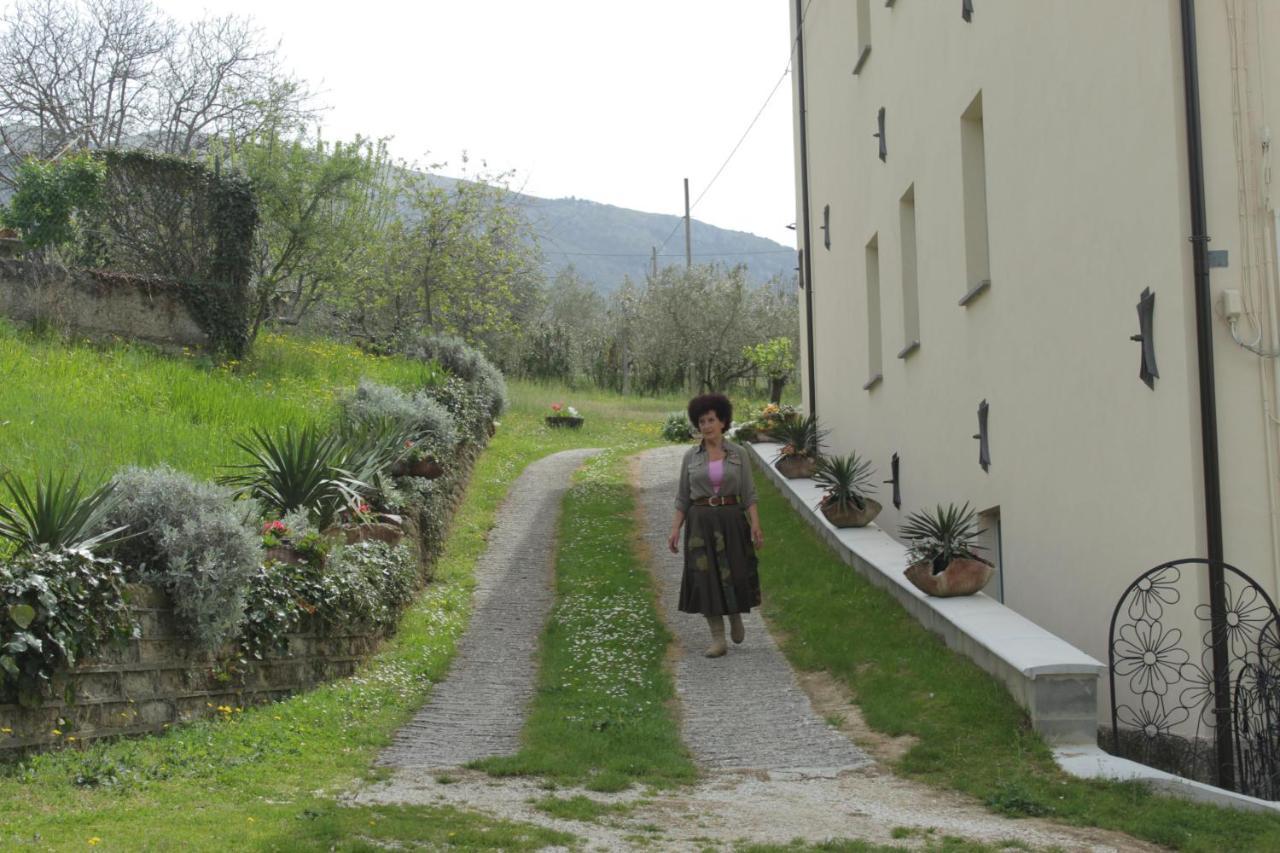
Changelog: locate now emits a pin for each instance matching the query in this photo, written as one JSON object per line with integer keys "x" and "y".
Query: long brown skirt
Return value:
{"x": 721, "y": 573}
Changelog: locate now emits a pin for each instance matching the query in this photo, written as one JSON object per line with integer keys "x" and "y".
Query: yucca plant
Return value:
{"x": 847, "y": 479}
{"x": 369, "y": 445}
{"x": 942, "y": 535}
{"x": 296, "y": 469}
{"x": 57, "y": 515}
{"x": 799, "y": 436}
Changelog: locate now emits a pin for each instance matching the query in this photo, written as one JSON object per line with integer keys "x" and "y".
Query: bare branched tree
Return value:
{"x": 113, "y": 73}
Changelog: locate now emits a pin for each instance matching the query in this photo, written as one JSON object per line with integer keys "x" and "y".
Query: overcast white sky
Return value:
{"x": 613, "y": 102}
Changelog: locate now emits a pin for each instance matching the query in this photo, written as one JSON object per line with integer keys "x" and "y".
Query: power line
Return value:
{"x": 745, "y": 133}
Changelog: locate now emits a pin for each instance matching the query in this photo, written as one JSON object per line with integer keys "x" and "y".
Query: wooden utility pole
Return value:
{"x": 653, "y": 264}
{"x": 688, "y": 241}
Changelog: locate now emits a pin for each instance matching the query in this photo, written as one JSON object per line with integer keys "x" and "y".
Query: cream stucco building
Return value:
{"x": 1034, "y": 180}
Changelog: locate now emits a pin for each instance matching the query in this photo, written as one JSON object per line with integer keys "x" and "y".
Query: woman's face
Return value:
{"x": 710, "y": 425}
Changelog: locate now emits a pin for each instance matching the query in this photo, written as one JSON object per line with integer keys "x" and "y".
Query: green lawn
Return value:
{"x": 83, "y": 408}
{"x": 268, "y": 778}
{"x": 972, "y": 736}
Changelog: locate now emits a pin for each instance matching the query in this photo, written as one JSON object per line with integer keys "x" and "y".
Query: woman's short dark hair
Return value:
{"x": 717, "y": 403}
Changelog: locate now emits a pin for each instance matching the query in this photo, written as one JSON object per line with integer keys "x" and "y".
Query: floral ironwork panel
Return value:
{"x": 1163, "y": 687}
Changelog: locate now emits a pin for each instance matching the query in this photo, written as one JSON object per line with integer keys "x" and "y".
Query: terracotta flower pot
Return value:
{"x": 564, "y": 421}
{"x": 852, "y": 516}
{"x": 376, "y": 532}
{"x": 428, "y": 468}
{"x": 283, "y": 554}
{"x": 796, "y": 467}
{"x": 960, "y": 577}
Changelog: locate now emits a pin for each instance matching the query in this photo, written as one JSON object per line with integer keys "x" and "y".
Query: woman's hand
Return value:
{"x": 757, "y": 536}
{"x": 673, "y": 541}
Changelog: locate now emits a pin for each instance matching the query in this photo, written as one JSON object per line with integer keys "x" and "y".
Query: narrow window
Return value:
{"x": 990, "y": 543}
{"x": 874, "y": 368}
{"x": 973, "y": 163}
{"x": 864, "y": 34}
{"x": 910, "y": 286}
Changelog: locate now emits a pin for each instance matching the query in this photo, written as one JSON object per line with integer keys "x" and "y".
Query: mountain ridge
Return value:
{"x": 605, "y": 242}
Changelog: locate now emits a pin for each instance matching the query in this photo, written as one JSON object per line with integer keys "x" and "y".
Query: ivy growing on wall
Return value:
{"x": 186, "y": 221}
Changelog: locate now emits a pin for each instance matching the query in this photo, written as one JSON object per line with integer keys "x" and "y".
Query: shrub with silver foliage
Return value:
{"x": 419, "y": 410}
{"x": 467, "y": 363}
{"x": 192, "y": 539}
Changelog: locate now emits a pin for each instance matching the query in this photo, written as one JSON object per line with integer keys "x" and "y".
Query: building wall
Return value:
{"x": 1096, "y": 477}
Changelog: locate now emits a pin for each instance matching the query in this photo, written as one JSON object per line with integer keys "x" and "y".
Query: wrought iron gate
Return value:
{"x": 1196, "y": 692}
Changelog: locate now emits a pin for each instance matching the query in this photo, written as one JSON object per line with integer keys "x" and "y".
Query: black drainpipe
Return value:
{"x": 807, "y": 272}
{"x": 1208, "y": 403}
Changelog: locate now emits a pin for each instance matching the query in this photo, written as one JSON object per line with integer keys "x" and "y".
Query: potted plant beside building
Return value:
{"x": 801, "y": 441}
{"x": 848, "y": 482}
{"x": 943, "y": 554}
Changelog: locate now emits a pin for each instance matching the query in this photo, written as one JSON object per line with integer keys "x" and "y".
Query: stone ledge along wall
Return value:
{"x": 98, "y": 304}
{"x": 159, "y": 680}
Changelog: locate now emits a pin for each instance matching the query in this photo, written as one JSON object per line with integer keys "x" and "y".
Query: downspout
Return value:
{"x": 806, "y": 272}
{"x": 1208, "y": 402}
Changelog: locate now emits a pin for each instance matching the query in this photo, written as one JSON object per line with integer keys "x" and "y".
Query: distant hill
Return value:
{"x": 604, "y": 242}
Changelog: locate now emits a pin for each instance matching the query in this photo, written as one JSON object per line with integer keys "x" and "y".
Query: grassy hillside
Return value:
{"x": 92, "y": 409}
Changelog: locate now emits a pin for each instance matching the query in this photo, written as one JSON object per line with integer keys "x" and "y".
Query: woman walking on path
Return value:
{"x": 717, "y": 499}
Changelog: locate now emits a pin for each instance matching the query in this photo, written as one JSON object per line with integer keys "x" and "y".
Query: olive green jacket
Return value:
{"x": 695, "y": 477}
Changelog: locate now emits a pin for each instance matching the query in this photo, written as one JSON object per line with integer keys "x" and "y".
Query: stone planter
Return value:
{"x": 796, "y": 467}
{"x": 960, "y": 577}
{"x": 563, "y": 422}
{"x": 852, "y": 516}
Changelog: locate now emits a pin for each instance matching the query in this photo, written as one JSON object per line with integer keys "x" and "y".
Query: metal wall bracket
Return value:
{"x": 1147, "y": 370}
{"x": 984, "y": 449}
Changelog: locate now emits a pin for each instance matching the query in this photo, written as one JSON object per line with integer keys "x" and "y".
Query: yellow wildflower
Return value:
{"x": 95, "y": 841}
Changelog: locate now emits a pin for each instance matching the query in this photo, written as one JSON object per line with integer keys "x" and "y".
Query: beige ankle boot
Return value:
{"x": 736, "y": 632}
{"x": 717, "y": 648}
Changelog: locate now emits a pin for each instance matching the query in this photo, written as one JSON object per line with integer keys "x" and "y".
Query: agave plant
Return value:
{"x": 297, "y": 469}
{"x": 58, "y": 515}
{"x": 799, "y": 436}
{"x": 847, "y": 480}
{"x": 942, "y": 535}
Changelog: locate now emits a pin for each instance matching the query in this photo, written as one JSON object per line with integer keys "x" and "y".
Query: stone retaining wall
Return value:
{"x": 98, "y": 304}
{"x": 159, "y": 680}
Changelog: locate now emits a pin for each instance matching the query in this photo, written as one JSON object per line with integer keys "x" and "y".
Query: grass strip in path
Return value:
{"x": 601, "y": 716}
{"x": 971, "y": 735}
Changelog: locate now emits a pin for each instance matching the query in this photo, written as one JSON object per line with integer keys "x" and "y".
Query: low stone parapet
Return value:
{"x": 99, "y": 304}
{"x": 1056, "y": 683}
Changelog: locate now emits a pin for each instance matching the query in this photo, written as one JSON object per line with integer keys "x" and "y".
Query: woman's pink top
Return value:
{"x": 715, "y": 470}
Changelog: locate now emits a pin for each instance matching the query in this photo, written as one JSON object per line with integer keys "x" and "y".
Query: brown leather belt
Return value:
{"x": 716, "y": 500}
